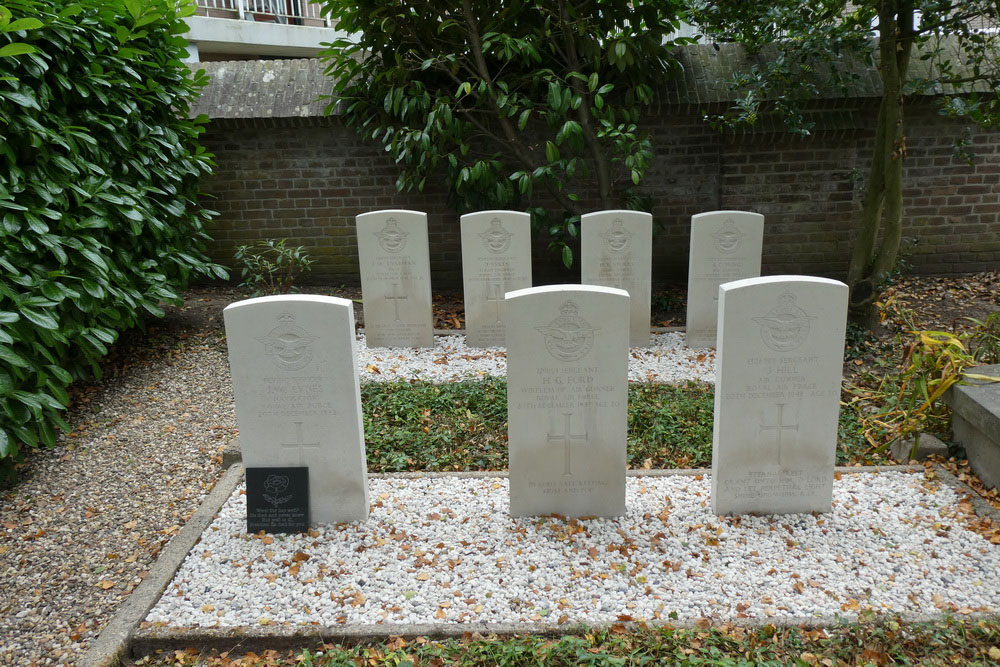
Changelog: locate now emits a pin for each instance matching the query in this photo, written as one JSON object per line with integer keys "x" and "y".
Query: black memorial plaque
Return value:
{"x": 277, "y": 499}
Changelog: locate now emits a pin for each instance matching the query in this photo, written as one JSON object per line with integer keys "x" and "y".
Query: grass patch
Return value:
{"x": 422, "y": 426}
{"x": 885, "y": 641}
{"x": 670, "y": 426}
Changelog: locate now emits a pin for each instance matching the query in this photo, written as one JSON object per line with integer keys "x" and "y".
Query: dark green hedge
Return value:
{"x": 99, "y": 174}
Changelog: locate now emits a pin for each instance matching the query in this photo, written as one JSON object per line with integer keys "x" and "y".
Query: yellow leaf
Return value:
{"x": 105, "y": 584}
{"x": 994, "y": 653}
{"x": 423, "y": 576}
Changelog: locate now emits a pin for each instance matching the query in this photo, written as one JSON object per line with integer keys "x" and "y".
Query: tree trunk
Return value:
{"x": 880, "y": 231}
{"x": 597, "y": 153}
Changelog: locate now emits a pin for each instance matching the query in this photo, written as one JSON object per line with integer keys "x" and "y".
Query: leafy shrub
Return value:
{"x": 271, "y": 267}
{"x": 99, "y": 173}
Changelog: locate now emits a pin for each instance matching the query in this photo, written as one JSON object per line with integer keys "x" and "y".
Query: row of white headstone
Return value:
{"x": 780, "y": 348}
{"x": 616, "y": 251}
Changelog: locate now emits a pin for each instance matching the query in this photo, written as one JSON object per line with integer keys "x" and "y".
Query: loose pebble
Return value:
{"x": 444, "y": 551}
{"x": 667, "y": 360}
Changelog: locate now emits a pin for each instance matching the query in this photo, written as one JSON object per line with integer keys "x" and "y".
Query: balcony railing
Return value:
{"x": 291, "y": 12}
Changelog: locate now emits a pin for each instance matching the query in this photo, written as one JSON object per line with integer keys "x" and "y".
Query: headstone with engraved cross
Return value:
{"x": 616, "y": 249}
{"x": 395, "y": 263}
{"x": 567, "y": 392}
{"x": 725, "y": 246}
{"x": 496, "y": 259}
{"x": 295, "y": 377}
{"x": 777, "y": 394}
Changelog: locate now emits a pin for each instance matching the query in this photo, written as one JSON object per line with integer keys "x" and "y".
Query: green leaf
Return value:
{"x": 47, "y": 433}
{"x": 23, "y": 24}
{"x": 105, "y": 335}
{"x": 93, "y": 289}
{"x": 54, "y": 291}
{"x": 7, "y": 448}
{"x": 551, "y": 152}
{"x": 26, "y": 435}
{"x": 24, "y": 100}
{"x": 28, "y": 399}
{"x": 7, "y": 317}
{"x": 522, "y": 120}
{"x": 13, "y": 358}
{"x": 16, "y": 49}
{"x": 43, "y": 320}
{"x": 555, "y": 96}
{"x": 71, "y": 10}
{"x": 567, "y": 256}
{"x": 153, "y": 309}
{"x": 94, "y": 258}
{"x": 62, "y": 374}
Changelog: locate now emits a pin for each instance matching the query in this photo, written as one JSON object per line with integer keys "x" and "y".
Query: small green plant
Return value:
{"x": 984, "y": 341}
{"x": 272, "y": 267}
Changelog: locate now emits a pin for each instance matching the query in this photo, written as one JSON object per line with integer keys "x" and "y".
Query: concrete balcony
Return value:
{"x": 248, "y": 29}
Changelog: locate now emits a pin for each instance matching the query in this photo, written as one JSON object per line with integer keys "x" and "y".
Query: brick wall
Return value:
{"x": 305, "y": 180}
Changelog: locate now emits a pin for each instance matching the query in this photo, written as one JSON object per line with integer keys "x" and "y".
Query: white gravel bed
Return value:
{"x": 445, "y": 551}
{"x": 667, "y": 360}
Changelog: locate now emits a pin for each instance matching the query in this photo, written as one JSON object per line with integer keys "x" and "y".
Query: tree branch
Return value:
{"x": 583, "y": 111}
{"x": 518, "y": 149}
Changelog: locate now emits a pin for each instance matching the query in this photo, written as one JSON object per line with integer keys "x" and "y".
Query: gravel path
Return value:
{"x": 88, "y": 518}
{"x": 444, "y": 550}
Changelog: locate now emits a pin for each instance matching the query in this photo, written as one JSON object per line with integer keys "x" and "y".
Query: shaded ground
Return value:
{"x": 203, "y": 307}
{"x": 939, "y": 303}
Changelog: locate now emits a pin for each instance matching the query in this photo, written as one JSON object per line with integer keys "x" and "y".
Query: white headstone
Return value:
{"x": 496, "y": 259}
{"x": 725, "y": 246}
{"x": 395, "y": 278}
{"x": 295, "y": 377}
{"x": 777, "y": 394}
{"x": 617, "y": 251}
{"x": 567, "y": 393}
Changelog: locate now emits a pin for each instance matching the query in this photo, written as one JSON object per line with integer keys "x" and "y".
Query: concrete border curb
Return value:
{"x": 982, "y": 506}
{"x": 113, "y": 643}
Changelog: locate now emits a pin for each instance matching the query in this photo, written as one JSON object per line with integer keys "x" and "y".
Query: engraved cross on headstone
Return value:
{"x": 395, "y": 297}
{"x": 567, "y": 437}
{"x": 495, "y": 295}
{"x": 780, "y": 427}
{"x": 300, "y": 445}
